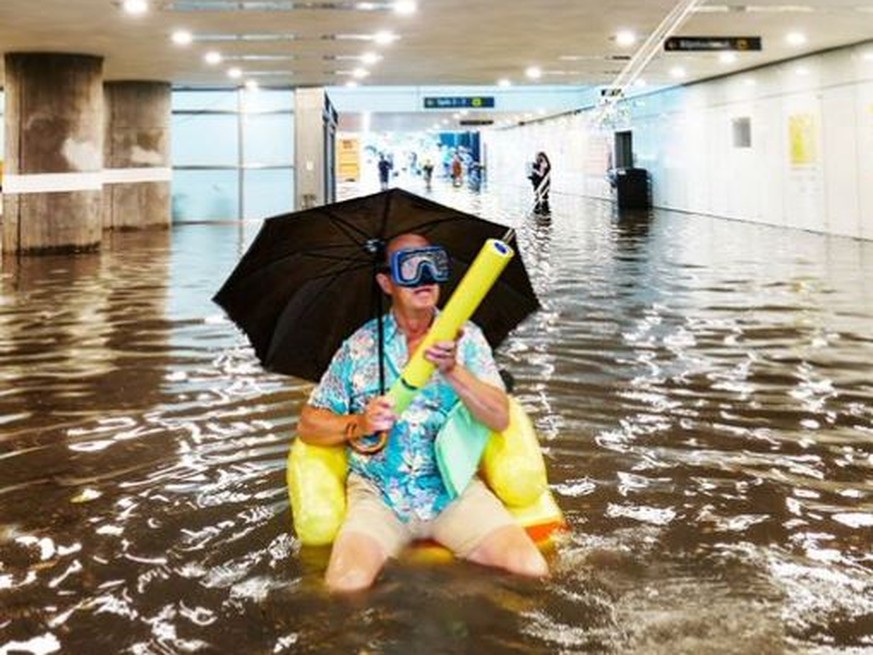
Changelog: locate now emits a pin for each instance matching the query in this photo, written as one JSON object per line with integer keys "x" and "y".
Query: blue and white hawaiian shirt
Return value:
{"x": 406, "y": 470}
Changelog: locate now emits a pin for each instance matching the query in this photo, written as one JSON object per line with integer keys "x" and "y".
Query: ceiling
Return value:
{"x": 443, "y": 42}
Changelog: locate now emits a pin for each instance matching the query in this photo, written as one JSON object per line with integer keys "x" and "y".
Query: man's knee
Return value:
{"x": 347, "y": 581}
{"x": 511, "y": 549}
{"x": 355, "y": 562}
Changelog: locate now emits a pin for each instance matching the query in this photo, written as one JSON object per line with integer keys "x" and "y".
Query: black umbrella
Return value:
{"x": 307, "y": 281}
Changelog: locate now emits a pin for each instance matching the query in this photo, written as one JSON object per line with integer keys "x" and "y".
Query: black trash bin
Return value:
{"x": 632, "y": 188}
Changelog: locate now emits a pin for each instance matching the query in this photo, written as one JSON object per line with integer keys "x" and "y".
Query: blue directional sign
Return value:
{"x": 459, "y": 102}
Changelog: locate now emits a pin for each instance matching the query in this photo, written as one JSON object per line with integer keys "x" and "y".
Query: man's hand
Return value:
{"x": 378, "y": 416}
{"x": 443, "y": 355}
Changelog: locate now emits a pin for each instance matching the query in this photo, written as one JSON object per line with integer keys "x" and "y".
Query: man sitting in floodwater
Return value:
{"x": 397, "y": 495}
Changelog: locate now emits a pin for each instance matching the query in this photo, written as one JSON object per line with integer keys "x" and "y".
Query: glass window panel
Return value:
{"x": 205, "y": 140}
{"x": 268, "y": 192}
{"x": 268, "y": 139}
{"x": 205, "y": 195}
{"x": 268, "y": 100}
{"x": 215, "y": 100}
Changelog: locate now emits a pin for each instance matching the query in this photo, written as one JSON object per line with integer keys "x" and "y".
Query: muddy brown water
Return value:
{"x": 702, "y": 389}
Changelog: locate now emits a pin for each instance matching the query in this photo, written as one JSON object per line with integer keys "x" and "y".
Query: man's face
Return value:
{"x": 416, "y": 298}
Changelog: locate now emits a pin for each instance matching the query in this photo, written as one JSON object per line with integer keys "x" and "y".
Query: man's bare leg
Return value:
{"x": 355, "y": 561}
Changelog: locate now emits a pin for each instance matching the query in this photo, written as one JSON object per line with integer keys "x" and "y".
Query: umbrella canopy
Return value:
{"x": 306, "y": 283}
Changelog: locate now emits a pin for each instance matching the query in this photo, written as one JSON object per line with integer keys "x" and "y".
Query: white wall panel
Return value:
{"x": 864, "y": 113}
{"x": 769, "y": 139}
{"x": 839, "y": 142}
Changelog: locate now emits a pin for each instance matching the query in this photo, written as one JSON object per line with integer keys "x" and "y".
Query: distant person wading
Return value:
{"x": 541, "y": 179}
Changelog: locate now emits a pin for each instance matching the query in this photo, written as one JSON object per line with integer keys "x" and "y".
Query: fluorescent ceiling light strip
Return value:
{"x": 268, "y": 73}
{"x": 245, "y": 37}
{"x": 272, "y": 5}
{"x": 260, "y": 57}
{"x": 780, "y": 9}
{"x": 756, "y": 9}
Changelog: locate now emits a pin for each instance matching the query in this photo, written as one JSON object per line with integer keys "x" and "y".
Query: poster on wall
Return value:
{"x": 348, "y": 158}
{"x": 803, "y": 139}
{"x": 805, "y": 190}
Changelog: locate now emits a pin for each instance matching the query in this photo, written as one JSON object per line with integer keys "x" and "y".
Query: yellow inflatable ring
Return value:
{"x": 512, "y": 466}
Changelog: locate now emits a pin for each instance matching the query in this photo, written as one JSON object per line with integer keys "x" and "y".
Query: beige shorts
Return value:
{"x": 460, "y": 527}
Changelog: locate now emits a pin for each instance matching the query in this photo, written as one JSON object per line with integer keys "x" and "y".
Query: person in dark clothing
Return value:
{"x": 384, "y": 171}
{"x": 541, "y": 178}
{"x": 428, "y": 173}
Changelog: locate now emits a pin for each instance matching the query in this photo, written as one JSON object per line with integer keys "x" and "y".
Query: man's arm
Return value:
{"x": 487, "y": 403}
{"x": 322, "y": 427}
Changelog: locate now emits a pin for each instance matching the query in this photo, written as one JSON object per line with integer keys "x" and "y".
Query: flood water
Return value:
{"x": 702, "y": 389}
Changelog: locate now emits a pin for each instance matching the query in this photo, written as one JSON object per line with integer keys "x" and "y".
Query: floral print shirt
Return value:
{"x": 405, "y": 471}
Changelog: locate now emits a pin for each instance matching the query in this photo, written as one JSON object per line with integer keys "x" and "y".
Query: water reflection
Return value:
{"x": 702, "y": 389}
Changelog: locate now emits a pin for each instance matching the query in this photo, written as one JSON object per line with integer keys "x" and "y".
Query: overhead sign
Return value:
{"x": 712, "y": 43}
{"x": 476, "y": 121}
{"x": 459, "y": 102}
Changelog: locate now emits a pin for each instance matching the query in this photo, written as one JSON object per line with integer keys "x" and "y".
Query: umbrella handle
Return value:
{"x": 372, "y": 449}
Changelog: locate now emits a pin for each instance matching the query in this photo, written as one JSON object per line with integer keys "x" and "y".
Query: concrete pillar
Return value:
{"x": 315, "y": 133}
{"x": 136, "y": 155}
{"x": 54, "y": 152}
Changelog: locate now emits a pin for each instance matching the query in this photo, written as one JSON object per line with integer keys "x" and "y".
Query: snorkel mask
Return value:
{"x": 414, "y": 267}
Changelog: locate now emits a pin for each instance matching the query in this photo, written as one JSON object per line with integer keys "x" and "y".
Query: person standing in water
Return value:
{"x": 541, "y": 178}
{"x": 384, "y": 171}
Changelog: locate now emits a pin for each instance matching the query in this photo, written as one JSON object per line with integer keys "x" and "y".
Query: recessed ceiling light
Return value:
{"x": 504, "y": 82}
{"x": 212, "y": 57}
{"x": 678, "y": 72}
{"x": 365, "y": 6}
{"x": 370, "y": 57}
{"x": 625, "y": 38}
{"x": 796, "y": 38}
{"x": 728, "y": 57}
{"x": 867, "y": 56}
{"x": 135, "y": 6}
{"x": 182, "y": 37}
{"x": 801, "y": 71}
{"x": 252, "y": 85}
{"x": 234, "y": 72}
{"x": 351, "y": 84}
{"x": 534, "y": 72}
{"x": 405, "y": 7}
{"x": 360, "y": 73}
